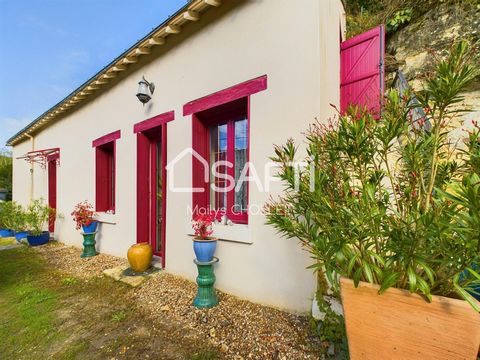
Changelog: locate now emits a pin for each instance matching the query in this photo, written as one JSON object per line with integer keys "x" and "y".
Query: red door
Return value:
{"x": 362, "y": 70}
{"x": 52, "y": 188}
{"x": 151, "y": 189}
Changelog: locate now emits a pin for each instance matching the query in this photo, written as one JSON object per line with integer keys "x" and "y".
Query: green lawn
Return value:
{"x": 7, "y": 241}
{"x": 47, "y": 314}
{"x": 26, "y": 308}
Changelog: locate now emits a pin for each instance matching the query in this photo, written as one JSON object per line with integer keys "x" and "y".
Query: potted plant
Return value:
{"x": 5, "y": 214}
{"x": 204, "y": 245}
{"x": 37, "y": 217}
{"x": 17, "y": 221}
{"x": 84, "y": 217}
{"x": 394, "y": 203}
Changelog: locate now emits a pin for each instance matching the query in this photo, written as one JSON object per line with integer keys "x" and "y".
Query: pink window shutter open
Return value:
{"x": 362, "y": 70}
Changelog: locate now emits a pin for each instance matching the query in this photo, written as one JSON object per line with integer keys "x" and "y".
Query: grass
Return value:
{"x": 119, "y": 316}
{"x": 45, "y": 313}
{"x": 71, "y": 352}
{"x": 27, "y": 321}
{"x": 205, "y": 355}
{"x": 69, "y": 280}
{"x": 7, "y": 241}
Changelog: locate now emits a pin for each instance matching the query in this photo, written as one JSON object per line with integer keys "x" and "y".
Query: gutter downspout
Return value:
{"x": 32, "y": 141}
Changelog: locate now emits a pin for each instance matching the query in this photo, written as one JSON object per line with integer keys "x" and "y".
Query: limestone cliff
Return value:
{"x": 412, "y": 48}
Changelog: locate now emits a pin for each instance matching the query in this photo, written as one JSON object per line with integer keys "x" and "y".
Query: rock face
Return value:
{"x": 435, "y": 30}
{"x": 410, "y": 49}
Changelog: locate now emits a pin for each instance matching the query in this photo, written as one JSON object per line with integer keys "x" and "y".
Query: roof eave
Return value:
{"x": 157, "y": 37}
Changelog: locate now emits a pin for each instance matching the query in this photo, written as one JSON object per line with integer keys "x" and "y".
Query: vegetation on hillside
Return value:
{"x": 395, "y": 14}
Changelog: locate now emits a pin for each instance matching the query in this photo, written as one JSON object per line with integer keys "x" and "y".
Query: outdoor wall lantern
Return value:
{"x": 145, "y": 90}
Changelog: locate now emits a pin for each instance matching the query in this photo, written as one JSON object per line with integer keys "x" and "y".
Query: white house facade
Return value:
{"x": 231, "y": 77}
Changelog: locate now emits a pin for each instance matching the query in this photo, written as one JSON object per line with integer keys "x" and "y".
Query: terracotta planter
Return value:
{"x": 140, "y": 257}
{"x": 400, "y": 325}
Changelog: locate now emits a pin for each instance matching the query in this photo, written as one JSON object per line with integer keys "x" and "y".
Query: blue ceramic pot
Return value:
{"x": 35, "y": 240}
{"x": 90, "y": 228}
{"x": 6, "y": 233}
{"x": 204, "y": 249}
{"x": 19, "y": 235}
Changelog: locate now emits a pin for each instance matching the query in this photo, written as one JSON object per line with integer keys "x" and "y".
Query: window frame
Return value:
{"x": 201, "y": 138}
{"x": 105, "y": 172}
{"x": 235, "y": 217}
{"x": 202, "y": 123}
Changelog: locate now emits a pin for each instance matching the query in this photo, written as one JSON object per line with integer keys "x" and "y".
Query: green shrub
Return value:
{"x": 391, "y": 201}
{"x": 3, "y": 214}
{"x": 12, "y": 215}
{"x": 398, "y": 20}
{"x": 16, "y": 217}
{"x": 37, "y": 216}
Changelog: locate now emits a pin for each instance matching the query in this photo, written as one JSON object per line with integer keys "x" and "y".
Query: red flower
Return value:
{"x": 83, "y": 214}
{"x": 202, "y": 225}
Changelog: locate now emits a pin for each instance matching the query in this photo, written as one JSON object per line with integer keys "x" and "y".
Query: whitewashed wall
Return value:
{"x": 296, "y": 44}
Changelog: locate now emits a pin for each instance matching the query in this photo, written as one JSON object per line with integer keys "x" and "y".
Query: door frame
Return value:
{"x": 52, "y": 162}
{"x": 149, "y": 132}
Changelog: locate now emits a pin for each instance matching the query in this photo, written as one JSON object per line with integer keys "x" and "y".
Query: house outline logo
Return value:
{"x": 171, "y": 173}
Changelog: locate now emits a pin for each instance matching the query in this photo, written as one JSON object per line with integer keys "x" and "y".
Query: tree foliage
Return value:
{"x": 6, "y": 171}
{"x": 363, "y": 15}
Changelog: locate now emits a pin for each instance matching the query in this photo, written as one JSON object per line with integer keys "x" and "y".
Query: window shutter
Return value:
{"x": 362, "y": 70}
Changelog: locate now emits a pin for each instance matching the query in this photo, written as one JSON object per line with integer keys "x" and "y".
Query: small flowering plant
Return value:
{"x": 202, "y": 225}
{"x": 83, "y": 214}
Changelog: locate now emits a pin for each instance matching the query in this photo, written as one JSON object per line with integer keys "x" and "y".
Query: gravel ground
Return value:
{"x": 67, "y": 259}
{"x": 239, "y": 329}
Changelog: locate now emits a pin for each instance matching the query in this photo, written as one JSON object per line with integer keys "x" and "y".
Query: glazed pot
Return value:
{"x": 6, "y": 233}
{"x": 400, "y": 325}
{"x": 19, "y": 235}
{"x": 36, "y": 240}
{"x": 140, "y": 257}
{"x": 90, "y": 228}
{"x": 204, "y": 248}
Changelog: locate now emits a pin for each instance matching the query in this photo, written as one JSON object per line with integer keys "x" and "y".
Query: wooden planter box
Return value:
{"x": 401, "y": 325}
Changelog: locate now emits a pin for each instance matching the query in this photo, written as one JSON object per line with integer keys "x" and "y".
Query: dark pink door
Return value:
{"x": 362, "y": 70}
{"x": 151, "y": 190}
{"x": 52, "y": 189}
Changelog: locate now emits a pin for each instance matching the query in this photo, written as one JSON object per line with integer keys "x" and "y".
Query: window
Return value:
{"x": 220, "y": 141}
{"x": 223, "y": 131}
{"x": 228, "y": 154}
{"x": 105, "y": 172}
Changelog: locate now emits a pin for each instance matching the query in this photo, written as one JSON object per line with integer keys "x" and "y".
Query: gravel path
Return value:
{"x": 67, "y": 259}
{"x": 240, "y": 329}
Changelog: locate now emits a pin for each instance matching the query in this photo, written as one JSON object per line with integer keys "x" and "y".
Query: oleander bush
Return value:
{"x": 393, "y": 201}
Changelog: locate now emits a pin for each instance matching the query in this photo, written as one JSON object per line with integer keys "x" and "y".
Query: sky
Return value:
{"x": 50, "y": 47}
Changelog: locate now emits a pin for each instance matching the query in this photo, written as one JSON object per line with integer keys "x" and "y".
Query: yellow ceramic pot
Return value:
{"x": 140, "y": 256}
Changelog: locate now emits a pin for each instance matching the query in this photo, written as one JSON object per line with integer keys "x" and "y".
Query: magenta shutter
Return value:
{"x": 362, "y": 70}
